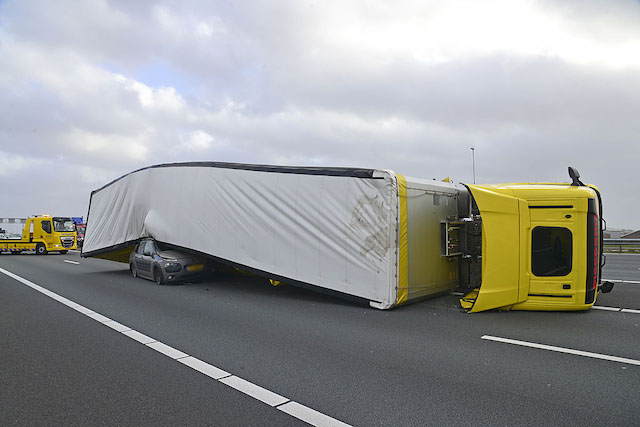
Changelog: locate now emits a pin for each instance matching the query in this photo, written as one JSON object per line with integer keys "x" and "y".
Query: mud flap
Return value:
{"x": 469, "y": 299}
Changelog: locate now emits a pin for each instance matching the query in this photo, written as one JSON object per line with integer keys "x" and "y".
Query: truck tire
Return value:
{"x": 63, "y": 252}
{"x": 41, "y": 249}
{"x": 157, "y": 276}
{"x": 132, "y": 269}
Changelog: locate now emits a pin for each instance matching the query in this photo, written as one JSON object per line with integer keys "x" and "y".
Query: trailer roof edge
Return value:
{"x": 362, "y": 173}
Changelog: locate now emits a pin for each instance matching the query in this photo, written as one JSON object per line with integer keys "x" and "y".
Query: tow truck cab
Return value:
{"x": 541, "y": 247}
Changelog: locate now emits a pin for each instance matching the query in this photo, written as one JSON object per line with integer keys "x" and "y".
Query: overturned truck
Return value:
{"x": 368, "y": 233}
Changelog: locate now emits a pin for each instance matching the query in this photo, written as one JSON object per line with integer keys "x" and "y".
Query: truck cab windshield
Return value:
{"x": 63, "y": 224}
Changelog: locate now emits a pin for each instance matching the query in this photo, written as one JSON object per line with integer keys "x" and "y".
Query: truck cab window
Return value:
{"x": 63, "y": 224}
{"x": 46, "y": 226}
{"x": 552, "y": 251}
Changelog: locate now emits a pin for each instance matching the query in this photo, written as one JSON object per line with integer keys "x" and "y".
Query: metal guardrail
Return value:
{"x": 623, "y": 245}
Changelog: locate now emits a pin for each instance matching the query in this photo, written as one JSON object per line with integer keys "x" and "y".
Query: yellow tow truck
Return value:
{"x": 42, "y": 234}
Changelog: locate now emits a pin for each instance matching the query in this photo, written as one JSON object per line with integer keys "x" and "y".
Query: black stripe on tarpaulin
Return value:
{"x": 300, "y": 170}
{"x": 109, "y": 249}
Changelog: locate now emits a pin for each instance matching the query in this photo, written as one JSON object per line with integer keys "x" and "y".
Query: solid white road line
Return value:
{"x": 83, "y": 310}
{"x": 205, "y": 368}
{"x": 141, "y": 338}
{"x": 630, "y": 310}
{"x": 117, "y": 326}
{"x": 71, "y": 262}
{"x": 563, "y": 350}
{"x": 284, "y": 404}
{"x": 167, "y": 350}
{"x": 99, "y": 317}
{"x": 602, "y": 307}
{"x": 308, "y": 415}
{"x": 255, "y": 391}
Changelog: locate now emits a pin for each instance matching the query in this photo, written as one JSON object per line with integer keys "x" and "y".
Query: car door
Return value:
{"x": 46, "y": 235}
{"x": 137, "y": 258}
{"x": 146, "y": 258}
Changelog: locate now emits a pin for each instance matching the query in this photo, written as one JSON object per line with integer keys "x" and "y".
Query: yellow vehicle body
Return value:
{"x": 43, "y": 234}
{"x": 541, "y": 247}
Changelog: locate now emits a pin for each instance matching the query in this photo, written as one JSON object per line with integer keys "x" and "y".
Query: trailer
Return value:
{"x": 369, "y": 233}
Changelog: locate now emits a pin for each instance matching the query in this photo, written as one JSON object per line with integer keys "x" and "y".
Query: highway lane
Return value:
{"x": 421, "y": 364}
{"x": 622, "y": 267}
{"x": 59, "y": 368}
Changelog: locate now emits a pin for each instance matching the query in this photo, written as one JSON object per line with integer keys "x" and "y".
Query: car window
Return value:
{"x": 46, "y": 226}
{"x": 150, "y": 248}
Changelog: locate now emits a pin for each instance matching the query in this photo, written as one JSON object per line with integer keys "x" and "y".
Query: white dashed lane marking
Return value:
{"x": 281, "y": 403}
{"x": 71, "y": 262}
{"x": 602, "y": 307}
{"x": 621, "y": 281}
{"x": 563, "y": 350}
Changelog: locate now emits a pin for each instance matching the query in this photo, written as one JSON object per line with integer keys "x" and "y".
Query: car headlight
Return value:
{"x": 172, "y": 267}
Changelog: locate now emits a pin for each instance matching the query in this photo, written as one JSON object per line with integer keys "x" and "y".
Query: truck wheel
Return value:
{"x": 132, "y": 269}
{"x": 63, "y": 252}
{"x": 157, "y": 275}
{"x": 41, "y": 249}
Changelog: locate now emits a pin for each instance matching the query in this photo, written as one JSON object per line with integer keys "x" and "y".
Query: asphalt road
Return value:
{"x": 423, "y": 364}
{"x": 624, "y": 271}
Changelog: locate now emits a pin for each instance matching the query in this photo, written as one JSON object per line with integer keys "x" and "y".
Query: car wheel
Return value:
{"x": 63, "y": 252}
{"x": 133, "y": 270}
{"x": 157, "y": 275}
{"x": 41, "y": 249}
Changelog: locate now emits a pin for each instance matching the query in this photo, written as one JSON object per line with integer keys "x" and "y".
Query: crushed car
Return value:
{"x": 166, "y": 265}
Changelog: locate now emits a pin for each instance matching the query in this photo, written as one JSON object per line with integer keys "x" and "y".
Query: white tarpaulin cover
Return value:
{"x": 333, "y": 228}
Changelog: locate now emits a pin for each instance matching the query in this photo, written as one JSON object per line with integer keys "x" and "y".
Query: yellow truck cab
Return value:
{"x": 42, "y": 234}
{"x": 541, "y": 246}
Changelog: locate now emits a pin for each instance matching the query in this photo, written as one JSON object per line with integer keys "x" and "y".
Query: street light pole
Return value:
{"x": 473, "y": 156}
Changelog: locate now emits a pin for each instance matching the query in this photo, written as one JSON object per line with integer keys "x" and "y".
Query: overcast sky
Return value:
{"x": 93, "y": 89}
